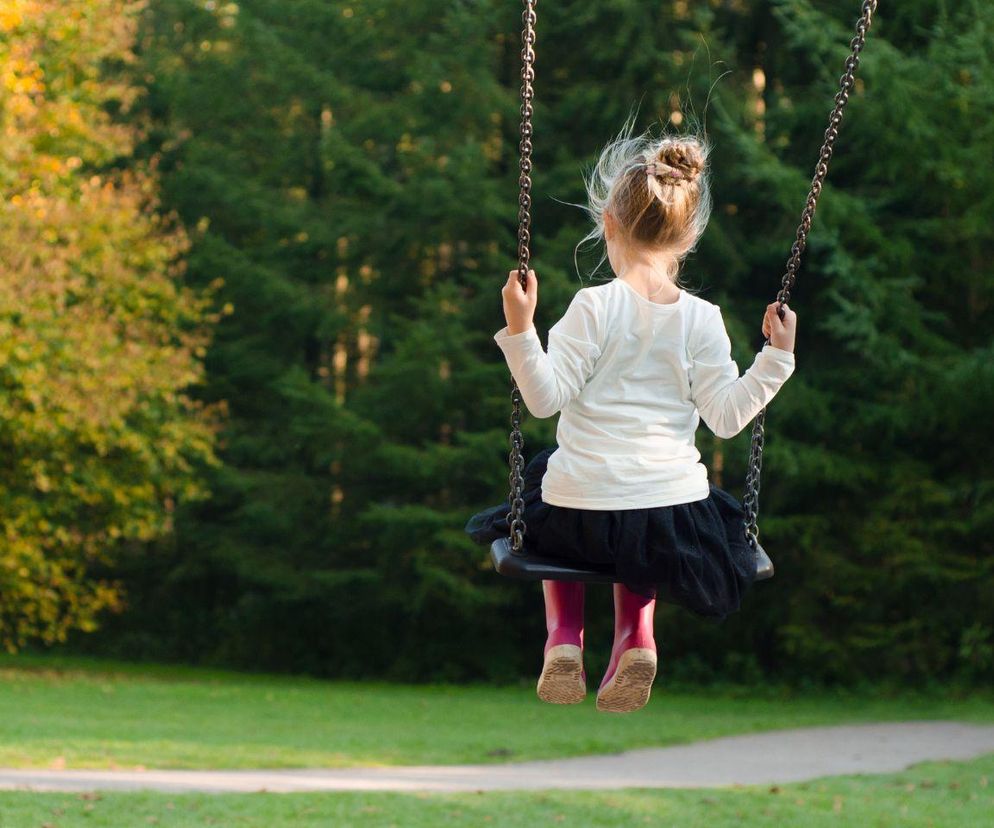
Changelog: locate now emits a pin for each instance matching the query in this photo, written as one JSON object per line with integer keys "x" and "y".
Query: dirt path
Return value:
{"x": 763, "y": 758}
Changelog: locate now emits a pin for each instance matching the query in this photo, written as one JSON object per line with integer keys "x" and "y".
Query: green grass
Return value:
{"x": 931, "y": 795}
{"x": 78, "y": 713}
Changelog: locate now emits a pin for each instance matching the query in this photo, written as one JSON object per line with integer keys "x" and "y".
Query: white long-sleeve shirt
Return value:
{"x": 633, "y": 379}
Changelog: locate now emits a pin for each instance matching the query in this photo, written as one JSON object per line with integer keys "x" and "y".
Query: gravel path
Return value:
{"x": 756, "y": 759}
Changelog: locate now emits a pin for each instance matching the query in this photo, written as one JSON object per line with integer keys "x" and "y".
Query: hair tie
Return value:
{"x": 657, "y": 168}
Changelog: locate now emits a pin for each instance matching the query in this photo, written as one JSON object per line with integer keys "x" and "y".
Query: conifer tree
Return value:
{"x": 349, "y": 169}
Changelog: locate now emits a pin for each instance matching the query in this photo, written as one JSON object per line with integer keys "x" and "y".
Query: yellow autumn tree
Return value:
{"x": 98, "y": 339}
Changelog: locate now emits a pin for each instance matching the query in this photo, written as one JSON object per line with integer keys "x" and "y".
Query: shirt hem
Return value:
{"x": 779, "y": 353}
{"x": 611, "y": 503}
{"x": 504, "y": 335}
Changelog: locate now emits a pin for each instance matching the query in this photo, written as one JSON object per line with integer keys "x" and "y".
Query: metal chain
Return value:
{"x": 750, "y": 501}
{"x": 515, "y": 517}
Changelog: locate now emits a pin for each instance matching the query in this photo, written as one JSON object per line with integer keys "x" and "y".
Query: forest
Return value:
{"x": 250, "y": 266}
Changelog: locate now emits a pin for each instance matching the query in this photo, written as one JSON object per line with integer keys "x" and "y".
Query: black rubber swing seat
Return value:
{"x": 535, "y": 568}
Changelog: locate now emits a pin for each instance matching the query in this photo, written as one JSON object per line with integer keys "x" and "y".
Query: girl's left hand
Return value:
{"x": 519, "y": 305}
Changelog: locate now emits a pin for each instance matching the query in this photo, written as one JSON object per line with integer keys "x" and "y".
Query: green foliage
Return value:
{"x": 98, "y": 340}
{"x": 350, "y": 172}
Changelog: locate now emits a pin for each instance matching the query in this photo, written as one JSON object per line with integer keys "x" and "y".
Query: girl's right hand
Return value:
{"x": 780, "y": 332}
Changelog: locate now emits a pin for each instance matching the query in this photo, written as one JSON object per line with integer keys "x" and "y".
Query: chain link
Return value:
{"x": 515, "y": 517}
{"x": 750, "y": 501}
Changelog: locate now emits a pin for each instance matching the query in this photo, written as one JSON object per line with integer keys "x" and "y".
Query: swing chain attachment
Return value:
{"x": 515, "y": 517}
{"x": 750, "y": 501}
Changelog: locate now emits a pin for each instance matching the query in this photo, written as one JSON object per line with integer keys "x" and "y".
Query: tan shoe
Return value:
{"x": 563, "y": 680}
{"x": 628, "y": 688}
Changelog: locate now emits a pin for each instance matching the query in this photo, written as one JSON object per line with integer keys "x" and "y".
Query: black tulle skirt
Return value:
{"x": 691, "y": 554}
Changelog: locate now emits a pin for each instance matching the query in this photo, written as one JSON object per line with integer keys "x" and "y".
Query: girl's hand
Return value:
{"x": 780, "y": 332}
{"x": 519, "y": 305}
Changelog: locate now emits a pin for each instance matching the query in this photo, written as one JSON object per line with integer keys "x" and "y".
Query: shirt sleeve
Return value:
{"x": 548, "y": 381}
{"x": 726, "y": 401}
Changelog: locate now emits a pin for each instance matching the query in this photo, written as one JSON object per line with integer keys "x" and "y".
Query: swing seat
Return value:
{"x": 535, "y": 568}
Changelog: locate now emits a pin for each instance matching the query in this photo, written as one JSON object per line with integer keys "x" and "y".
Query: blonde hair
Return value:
{"x": 656, "y": 189}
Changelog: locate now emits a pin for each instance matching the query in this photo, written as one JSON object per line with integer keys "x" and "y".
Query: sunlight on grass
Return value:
{"x": 94, "y": 714}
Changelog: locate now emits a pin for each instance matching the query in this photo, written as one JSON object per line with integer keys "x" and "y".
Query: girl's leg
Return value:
{"x": 632, "y": 668}
{"x": 563, "y": 612}
{"x": 563, "y": 680}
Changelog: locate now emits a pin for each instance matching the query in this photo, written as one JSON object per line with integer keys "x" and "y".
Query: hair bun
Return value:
{"x": 680, "y": 159}
{"x": 656, "y": 191}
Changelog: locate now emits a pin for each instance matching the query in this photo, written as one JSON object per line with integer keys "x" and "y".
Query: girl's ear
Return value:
{"x": 608, "y": 226}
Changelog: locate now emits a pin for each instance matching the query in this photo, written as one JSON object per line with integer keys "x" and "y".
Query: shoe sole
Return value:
{"x": 629, "y": 687}
{"x": 562, "y": 681}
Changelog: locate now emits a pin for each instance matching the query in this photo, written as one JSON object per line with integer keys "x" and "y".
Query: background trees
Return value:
{"x": 97, "y": 340}
{"x": 347, "y": 168}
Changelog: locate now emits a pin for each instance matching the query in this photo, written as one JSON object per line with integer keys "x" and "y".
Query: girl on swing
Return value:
{"x": 633, "y": 366}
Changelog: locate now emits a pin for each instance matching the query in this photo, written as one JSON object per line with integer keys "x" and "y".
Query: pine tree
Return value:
{"x": 349, "y": 169}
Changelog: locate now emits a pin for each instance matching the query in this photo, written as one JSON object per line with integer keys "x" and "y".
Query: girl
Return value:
{"x": 633, "y": 366}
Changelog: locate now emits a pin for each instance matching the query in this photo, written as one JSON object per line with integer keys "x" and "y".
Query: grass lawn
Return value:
{"x": 77, "y": 713}
{"x": 931, "y": 795}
